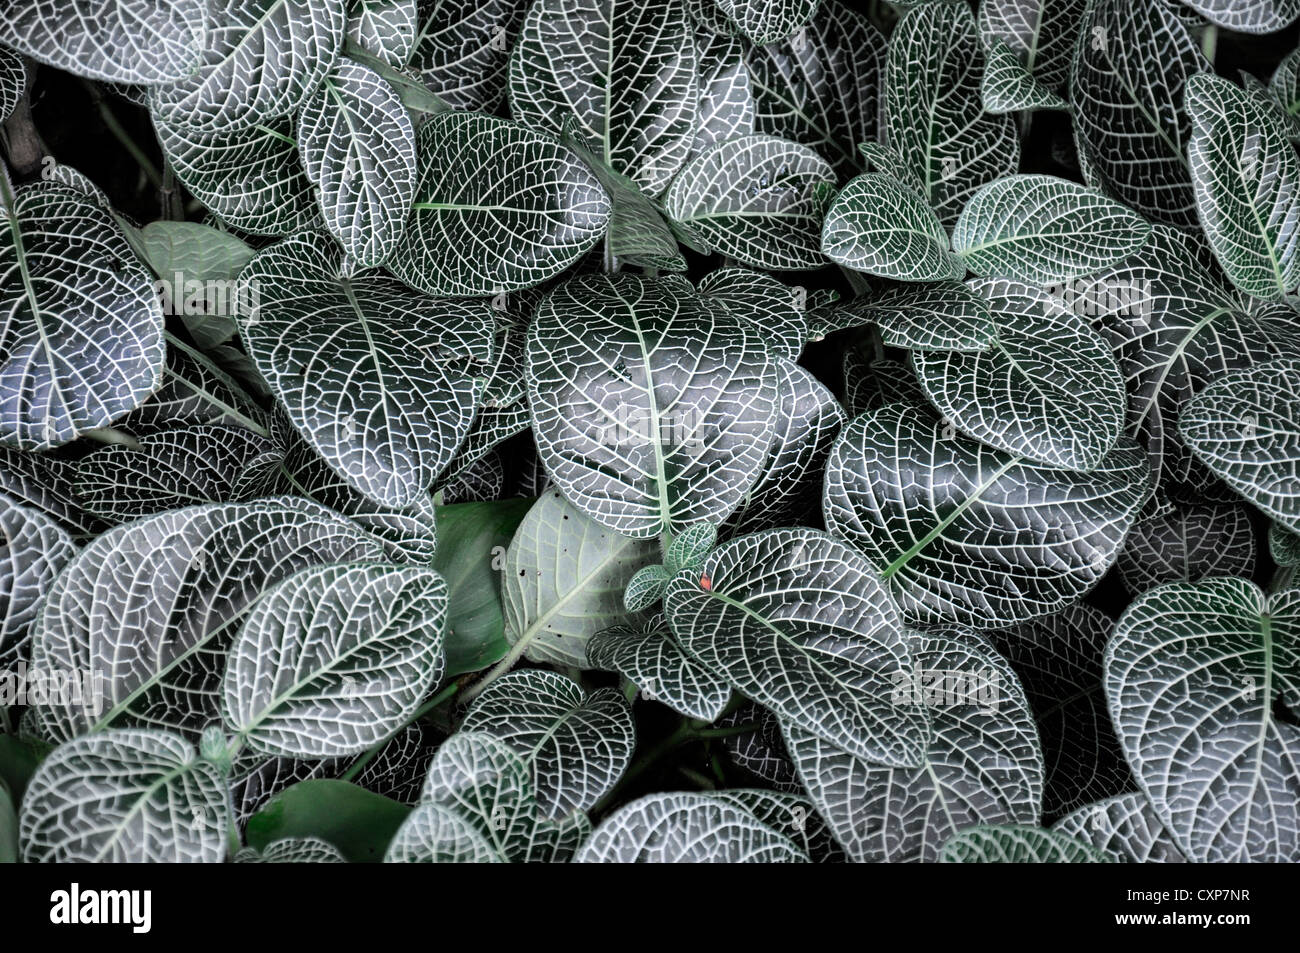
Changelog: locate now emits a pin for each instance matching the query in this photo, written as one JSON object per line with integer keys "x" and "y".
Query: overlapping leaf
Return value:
{"x": 1188, "y": 543}
{"x": 1124, "y": 828}
{"x": 879, "y": 226}
{"x": 1018, "y": 844}
{"x": 932, "y": 316}
{"x": 462, "y": 50}
{"x": 656, "y": 664}
{"x": 33, "y": 549}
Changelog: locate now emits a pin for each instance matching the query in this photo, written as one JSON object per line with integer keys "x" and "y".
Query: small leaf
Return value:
{"x": 1125, "y": 828}
{"x": 689, "y": 547}
{"x": 1017, "y": 844}
{"x": 651, "y": 658}
{"x": 645, "y": 588}
{"x": 1007, "y": 87}
{"x": 934, "y": 316}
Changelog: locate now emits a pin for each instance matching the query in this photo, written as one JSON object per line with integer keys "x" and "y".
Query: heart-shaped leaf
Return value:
{"x": 498, "y": 207}
{"x": 825, "y": 661}
{"x": 577, "y": 744}
{"x": 1246, "y": 428}
{"x": 956, "y": 530}
{"x": 1221, "y": 774}
{"x": 1007, "y": 86}
{"x": 83, "y": 341}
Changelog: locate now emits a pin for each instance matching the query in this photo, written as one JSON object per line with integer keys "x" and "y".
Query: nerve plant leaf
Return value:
{"x": 33, "y": 549}
{"x": 387, "y": 28}
{"x": 1221, "y": 774}
{"x": 766, "y": 21}
{"x": 249, "y": 178}
{"x": 379, "y": 379}
{"x": 1059, "y": 660}
{"x": 726, "y": 91}
{"x": 462, "y": 49}
{"x": 931, "y": 316}
{"x": 82, "y": 340}
{"x": 200, "y": 464}
{"x": 261, "y": 59}
{"x": 773, "y": 309}
{"x": 821, "y": 86}
{"x": 757, "y": 199}
{"x": 652, "y": 406}
{"x": 881, "y": 227}
{"x": 134, "y": 41}
{"x": 1124, "y": 828}
{"x": 626, "y": 70}
{"x": 1018, "y": 844}
{"x": 1246, "y": 428}
{"x": 982, "y": 765}
{"x": 335, "y": 658}
{"x": 652, "y": 659}
{"x": 966, "y": 534}
{"x": 487, "y": 790}
{"x": 576, "y": 744}
{"x": 125, "y": 796}
{"x": 1043, "y": 230}
{"x": 1247, "y": 181}
{"x": 153, "y": 604}
{"x": 933, "y": 115}
{"x": 686, "y": 828}
{"x": 498, "y": 207}
{"x": 1175, "y": 327}
{"x": 13, "y": 82}
{"x": 1248, "y": 16}
{"x": 292, "y": 850}
{"x": 824, "y": 660}
{"x": 1040, "y": 33}
{"x": 1007, "y": 86}
{"x": 1188, "y": 543}
{"x": 358, "y": 146}
{"x": 563, "y": 580}
{"x": 1131, "y": 65}
{"x": 1048, "y": 389}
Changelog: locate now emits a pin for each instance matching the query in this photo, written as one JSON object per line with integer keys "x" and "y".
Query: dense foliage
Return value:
{"x": 658, "y": 430}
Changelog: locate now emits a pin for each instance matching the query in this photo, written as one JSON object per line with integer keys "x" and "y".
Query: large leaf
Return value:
{"x": 967, "y": 534}
{"x": 933, "y": 115}
{"x": 200, "y": 464}
{"x": 982, "y": 766}
{"x": 1125, "y": 828}
{"x": 249, "y": 178}
{"x": 1247, "y": 181}
{"x": 726, "y": 91}
{"x": 379, "y": 379}
{"x": 33, "y": 549}
{"x": 130, "y": 41}
{"x": 1018, "y": 844}
{"x": 498, "y": 207}
{"x": 686, "y": 828}
{"x": 821, "y": 87}
{"x": 1246, "y": 428}
{"x": 652, "y": 406}
{"x": 1040, "y": 230}
{"x": 626, "y": 70}
{"x": 482, "y": 780}
{"x": 1041, "y": 33}
{"x": 1248, "y": 16}
{"x": 153, "y": 604}
{"x": 462, "y": 49}
{"x": 335, "y": 658}
{"x": 358, "y": 146}
{"x": 1188, "y": 543}
{"x": 564, "y": 579}
{"x": 45, "y": 483}
{"x": 1221, "y": 772}
{"x": 125, "y": 797}
{"x": 261, "y": 59}
{"x": 1131, "y": 64}
{"x": 472, "y": 541}
{"x": 934, "y": 316}
{"x": 387, "y": 28}
{"x": 81, "y": 343}
{"x": 880, "y": 226}
{"x": 800, "y": 623}
{"x": 1175, "y": 327}
{"x": 651, "y": 658}
{"x": 576, "y": 743}
{"x": 757, "y": 199}
{"x": 1048, "y": 389}
{"x": 357, "y": 822}
{"x": 788, "y": 491}
{"x": 1058, "y": 658}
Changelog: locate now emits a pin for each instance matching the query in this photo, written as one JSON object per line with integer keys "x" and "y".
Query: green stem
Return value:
{"x": 506, "y": 664}
{"x": 360, "y": 764}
